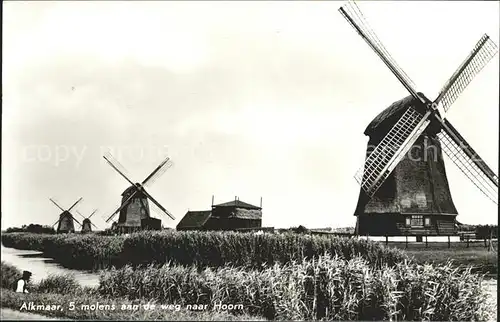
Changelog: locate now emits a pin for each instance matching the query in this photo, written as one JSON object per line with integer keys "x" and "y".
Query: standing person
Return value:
{"x": 22, "y": 283}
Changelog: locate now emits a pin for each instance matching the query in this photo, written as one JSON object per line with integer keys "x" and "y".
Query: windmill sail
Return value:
{"x": 482, "y": 53}
{"x": 393, "y": 147}
{"x": 122, "y": 205}
{"x": 468, "y": 161}
{"x": 158, "y": 205}
{"x": 157, "y": 172}
{"x": 353, "y": 15}
{"x": 401, "y": 137}
{"x": 117, "y": 170}
{"x": 160, "y": 170}
{"x": 55, "y": 203}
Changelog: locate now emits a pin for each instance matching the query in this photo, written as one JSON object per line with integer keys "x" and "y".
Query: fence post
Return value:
{"x": 490, "y": 244}
{"x": 467, "y": 241}
{"x": 425, "y": 241}
{"x": 386, "y": 240}
{"x": 449, "y": 243}
{"x": 406, "y": 236}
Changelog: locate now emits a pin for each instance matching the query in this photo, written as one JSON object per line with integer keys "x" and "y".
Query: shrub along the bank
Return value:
{"x": 326, "y": 288}
{"x": 202, "y": 249}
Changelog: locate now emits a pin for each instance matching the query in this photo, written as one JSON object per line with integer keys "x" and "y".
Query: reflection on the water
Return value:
{"x": 41, "y": 267}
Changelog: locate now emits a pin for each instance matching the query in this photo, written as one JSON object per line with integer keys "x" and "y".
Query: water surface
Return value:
{"x": 41, "y": 267}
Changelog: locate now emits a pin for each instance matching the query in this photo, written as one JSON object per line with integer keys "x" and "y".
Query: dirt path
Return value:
{"x": 10, "y": 314}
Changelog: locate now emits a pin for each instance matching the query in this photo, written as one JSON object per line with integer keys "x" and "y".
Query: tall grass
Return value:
{"x": 327, "y": 288}
{"x": 202, "y": 249}
{"x": 9, "y": 275}
{"x": 62, "y": 284}
{"x": 63, "y": 289}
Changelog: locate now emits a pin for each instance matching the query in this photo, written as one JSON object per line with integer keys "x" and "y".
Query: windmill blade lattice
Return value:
{"x": 392, "y": 149}
{"x": 116, "y": 163}
{"x": 116, "y": 166}
{"x": 472, "y": 167}
{"x": 356, "y": 19}
{"x": 78, "y": 212}
{"x": 160, "y": 171}
{"x": 55, "y": 203}
{"x": 158, "y": 205}
{"x": 72, "y": 217}
{"x": 482, "y": 53}
{"x": 121, "y": 206}
{"x": 69, "y": 209}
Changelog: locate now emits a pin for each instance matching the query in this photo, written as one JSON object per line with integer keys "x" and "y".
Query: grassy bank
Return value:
{"x": 476, "y": 255}
{"x": 202, "y": 249}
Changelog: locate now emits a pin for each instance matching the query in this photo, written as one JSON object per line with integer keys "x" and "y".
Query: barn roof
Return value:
{"x": 237, "y": 203}
{"x": 194, "y": 219}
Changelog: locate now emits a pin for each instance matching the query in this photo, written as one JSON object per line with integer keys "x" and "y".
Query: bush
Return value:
{"x": 328, "y": 288}
{"x": 32, "y": 228}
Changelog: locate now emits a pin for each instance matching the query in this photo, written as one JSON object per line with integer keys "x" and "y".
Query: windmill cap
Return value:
{"x": 26, "y": 274}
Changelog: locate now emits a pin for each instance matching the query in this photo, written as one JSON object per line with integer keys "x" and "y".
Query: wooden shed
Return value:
{"x": 231, "y": 215}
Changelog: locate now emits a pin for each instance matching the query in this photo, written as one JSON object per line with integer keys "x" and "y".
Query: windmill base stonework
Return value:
{"x": 415, "y": 199}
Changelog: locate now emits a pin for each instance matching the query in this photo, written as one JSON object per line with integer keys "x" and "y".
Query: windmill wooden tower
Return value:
{"x": 404, "y": 189}
{"x": 86, "y": 223}
{"x": 134, "y": 209}
{"x": 65, "y": 222}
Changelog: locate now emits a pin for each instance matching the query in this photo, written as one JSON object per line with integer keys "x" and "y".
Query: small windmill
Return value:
{"x": 402, "y": 196}
{"x": 86, "y": 223}
{"x": 65, "y": 222}
{"x": 134, "y": 208}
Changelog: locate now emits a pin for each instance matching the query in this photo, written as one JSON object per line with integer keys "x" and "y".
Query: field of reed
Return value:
{"x": 202, "y": 249}
{"x": 64, "y": 289}
{"x": 326, "y": 288}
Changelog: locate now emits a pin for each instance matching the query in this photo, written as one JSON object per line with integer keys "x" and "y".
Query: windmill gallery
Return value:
{"x": 404, "y": 187}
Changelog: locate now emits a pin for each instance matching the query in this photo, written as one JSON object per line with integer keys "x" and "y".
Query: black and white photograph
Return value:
{"x": 250, "y": 160}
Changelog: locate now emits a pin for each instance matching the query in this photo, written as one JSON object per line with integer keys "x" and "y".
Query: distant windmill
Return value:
{"x": 410, "y": 196}
{"x": 86, "y": 223}
{"x": 134, "y": 208}
{"x": 65, "y": 222}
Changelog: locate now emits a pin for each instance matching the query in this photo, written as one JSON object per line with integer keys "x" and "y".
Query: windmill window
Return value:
{"x": 427, "y": 221}
{"x": 417, "y": 221}
{"x": 408, "y": 221}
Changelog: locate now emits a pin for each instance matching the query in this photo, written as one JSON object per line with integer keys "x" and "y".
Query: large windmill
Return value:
{"x": 134, "y": 209}
{"x": 86, "y": 223}
{"x": 65, "y": 222}
{"x": 404, "y": 190}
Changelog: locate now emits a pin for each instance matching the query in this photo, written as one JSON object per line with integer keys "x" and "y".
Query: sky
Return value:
{"x": 248, "y": 99}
